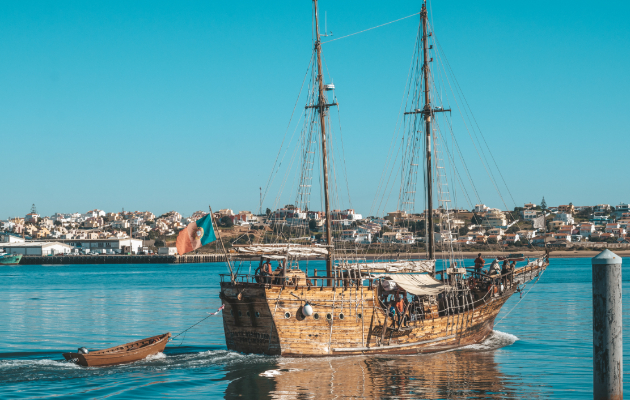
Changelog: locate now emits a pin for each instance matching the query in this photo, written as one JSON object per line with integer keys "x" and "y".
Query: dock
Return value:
{"x": 122, "y": 259}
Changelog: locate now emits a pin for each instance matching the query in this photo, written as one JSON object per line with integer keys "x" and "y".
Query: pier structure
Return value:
{"x": 607, "y": 327}
{"x": 122, "y": 259}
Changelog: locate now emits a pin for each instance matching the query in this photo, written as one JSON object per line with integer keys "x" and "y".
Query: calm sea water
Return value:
{"x": 542, "y": 349}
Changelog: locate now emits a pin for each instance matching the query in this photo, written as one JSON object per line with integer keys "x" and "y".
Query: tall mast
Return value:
{"x": 322, "y": 107}
{"x": 427, "y": 118}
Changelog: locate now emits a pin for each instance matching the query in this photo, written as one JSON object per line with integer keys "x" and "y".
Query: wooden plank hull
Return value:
{"x": 268, "y": 320}
{"x": 123, "y": 354}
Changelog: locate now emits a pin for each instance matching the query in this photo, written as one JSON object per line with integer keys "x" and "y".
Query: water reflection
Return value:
{"x": 466, "y": 374}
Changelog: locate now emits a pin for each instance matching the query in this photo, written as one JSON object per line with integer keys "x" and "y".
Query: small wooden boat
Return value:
{"x": 126, "y": 353}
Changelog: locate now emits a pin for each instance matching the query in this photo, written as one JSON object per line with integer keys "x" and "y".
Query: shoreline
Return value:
{"x": 214, "y": 257}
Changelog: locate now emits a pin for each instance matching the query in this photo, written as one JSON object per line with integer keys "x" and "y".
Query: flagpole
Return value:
{"x": 227, "y": 258}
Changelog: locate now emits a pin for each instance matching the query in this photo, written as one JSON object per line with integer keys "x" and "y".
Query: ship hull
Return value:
{"x": 268, "y": 320}
{"x": 10, "y": 259}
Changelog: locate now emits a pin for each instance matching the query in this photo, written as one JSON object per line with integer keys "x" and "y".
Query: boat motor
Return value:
{"x": 82, "y": 350}
{"x": 307, "y": 310}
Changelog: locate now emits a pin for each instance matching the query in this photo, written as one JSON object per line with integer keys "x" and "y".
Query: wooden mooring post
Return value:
{"x": 607, "y": 327}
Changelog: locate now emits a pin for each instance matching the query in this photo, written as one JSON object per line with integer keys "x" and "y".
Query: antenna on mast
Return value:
{"x": 325, "y": 34}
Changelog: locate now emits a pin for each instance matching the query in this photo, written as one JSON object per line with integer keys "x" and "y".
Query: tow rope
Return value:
{"x": 197, "y": 323}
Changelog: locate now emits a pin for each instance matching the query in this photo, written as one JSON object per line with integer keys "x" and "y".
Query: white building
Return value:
{"x": 171, "y": 251}
{"x": 622, "y": 207}
{"x": 441, "y": 237}
{"x": 601, "y": 208}
{"x": 114, "y": 245}
{"x": 364, "y": 238}
{"x": 9, "y": 238}
{"x": 561, "y": 236}
{"x": 348, "y": 214}
{"x": 93, "y": 214}
{"x": 526, "y": 234}
{"x": 494, "y": 219}
{"x": 368, "y": 228}
{"x": 566, "y": 219}
{"x": 390, "y": 237}
{"x": 528, "y": 215}
{"x": 36, "y": 248}
{"x": 124, "y": 224}
{"x": 6, "y": 225}
{"x": 31, "y": 217}
{"x": 480, "y": 208}
{"x": 353, "y": 236}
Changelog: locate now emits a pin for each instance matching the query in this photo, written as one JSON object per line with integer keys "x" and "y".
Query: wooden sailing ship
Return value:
{"x": 297, "y": 313}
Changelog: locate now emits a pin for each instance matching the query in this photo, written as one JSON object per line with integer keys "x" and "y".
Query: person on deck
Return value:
{"x": 479, "y": 262}
{"x": 505, "y": 268}
{"x": 512, "y": 268}
{"x": 400, "y": 308}
{"x": 266, "y": 271}
{"x": 392, "y": 312}
{"x": 279, "y": 273}
{"x": 494, "y": 268}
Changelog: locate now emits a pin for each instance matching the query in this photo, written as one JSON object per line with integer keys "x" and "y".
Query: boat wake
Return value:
{"x": 21, "y": 369}
{"x": 496, "y": 340}
{"x": 158, "y": 356}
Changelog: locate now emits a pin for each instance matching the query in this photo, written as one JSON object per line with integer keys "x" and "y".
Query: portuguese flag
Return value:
{"x": 195, "y": 235}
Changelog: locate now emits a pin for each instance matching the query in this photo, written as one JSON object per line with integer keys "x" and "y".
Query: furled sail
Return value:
{"x": 393, "y": 266}
{"x": 281, "y": 250}
{"x": 418, "y": 284}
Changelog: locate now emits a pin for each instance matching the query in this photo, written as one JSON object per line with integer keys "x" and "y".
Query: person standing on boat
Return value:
{"x": 400, "y": 309}
{"x": 494, "y": 268}
{"x": 266, "y": 271}
{"x": 479, "y": 263}
{"x": 505, "y": 268}
{"x": 392, "y": 311}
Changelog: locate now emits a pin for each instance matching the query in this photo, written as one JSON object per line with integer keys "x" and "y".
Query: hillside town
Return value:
{"x": 142, "y": 232}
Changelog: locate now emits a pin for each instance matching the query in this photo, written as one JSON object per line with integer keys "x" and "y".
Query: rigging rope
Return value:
{"x": 522, "y": 297}
{"x": 288, "y": 126}
{"x": 369, "y": 29}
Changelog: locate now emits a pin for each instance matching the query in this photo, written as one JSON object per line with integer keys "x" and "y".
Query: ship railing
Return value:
{"x": 305, "y": 281}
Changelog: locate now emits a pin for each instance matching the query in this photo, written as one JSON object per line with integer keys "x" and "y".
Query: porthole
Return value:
{"x": 359, "y": 316}
{"x": 240, "y": 313}
{"x": 316, "y": 316}
{"x": 247, "y": 313}
{"x": 329, "y": 316}
{"x": 341, "y": 316}
{"x": 287, "y": 315}
{"x": 257, "y": 314}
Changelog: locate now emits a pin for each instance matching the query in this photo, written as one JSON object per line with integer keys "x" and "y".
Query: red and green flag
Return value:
{"x": 195, "y": 235}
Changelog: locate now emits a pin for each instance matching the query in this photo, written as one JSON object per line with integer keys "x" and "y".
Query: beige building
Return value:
{"x": 396, "y": 216}
{"x": 568, "y": 209}
{"x": 494, "y": 219}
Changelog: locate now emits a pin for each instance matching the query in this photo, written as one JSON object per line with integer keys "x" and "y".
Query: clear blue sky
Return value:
{"x": 157, "y": 105}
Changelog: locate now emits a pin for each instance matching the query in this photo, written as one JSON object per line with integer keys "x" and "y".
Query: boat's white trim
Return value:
{"x": 394, "y": 346}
